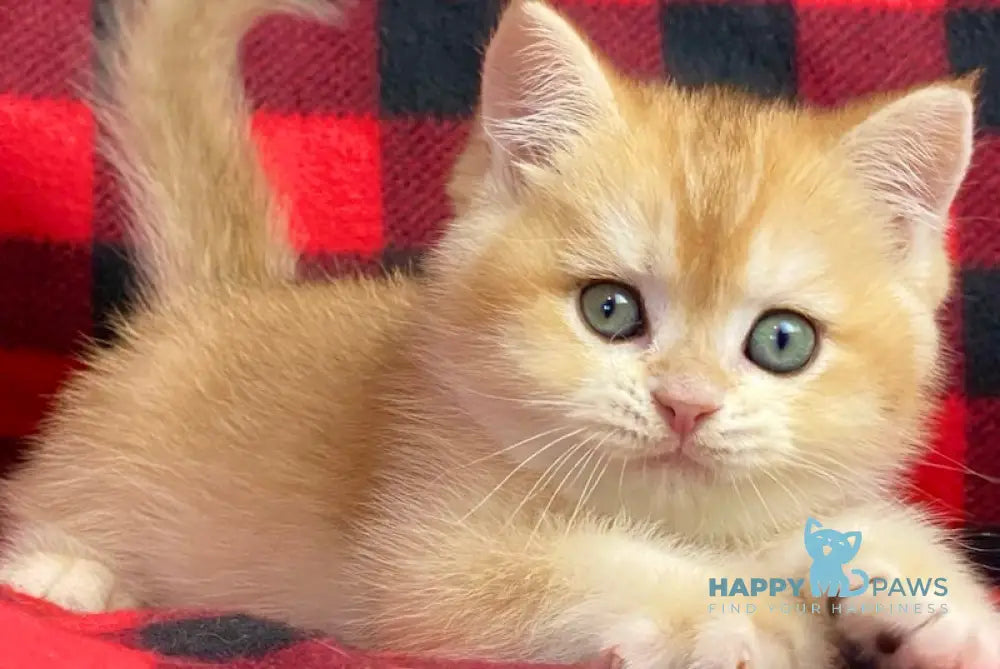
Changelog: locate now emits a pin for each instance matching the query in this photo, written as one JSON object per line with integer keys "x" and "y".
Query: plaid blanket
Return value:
{"x": 36, "y": 635}
{"x": 358, "y": 128}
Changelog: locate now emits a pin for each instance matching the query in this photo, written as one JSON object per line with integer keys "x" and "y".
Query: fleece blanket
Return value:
{"x": 358, "y": 128}
{"x": 36, "y": 635}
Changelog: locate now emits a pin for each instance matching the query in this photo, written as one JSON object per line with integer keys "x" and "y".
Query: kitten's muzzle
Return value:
{"x": 683, "y": 416}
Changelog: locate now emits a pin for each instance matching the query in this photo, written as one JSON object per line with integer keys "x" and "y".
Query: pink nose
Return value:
{"x": 682, "y": 416}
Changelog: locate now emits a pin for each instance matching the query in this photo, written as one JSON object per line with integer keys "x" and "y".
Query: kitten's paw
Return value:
{"x": 946, "y": 641}
{"x": 737, "y": 643}
{"x": 730, "y": 642}
{"x": 74, "y": 583}
{"x": 640, "y": 644}
{"x": 958, "y": 631}
{"x": 951, "y": 641}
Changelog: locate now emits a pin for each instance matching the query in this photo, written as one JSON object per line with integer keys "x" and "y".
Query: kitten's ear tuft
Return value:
{"x": 542, "y": 87}
{"x": 912, "y": 155}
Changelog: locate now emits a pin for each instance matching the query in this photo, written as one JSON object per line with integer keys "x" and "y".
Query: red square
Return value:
{"x": 45, "y": 46}
{"x": 294, "y": 65}
{"x": 978, "y": 208}
{"x": 850, "y": 51}
{"x": 111, "y": 210}
{"x": 40, "y": 635}
{"x": 982, "y": 479}
{"x": 46, "y": 169}
{"x": 44, "y": 294}
{"x": 28, "y": 380}
{"x": 418, "y": 156}
{"x": 939, "y": 481}
{"x": 626, "y": 31}
{"x": 953, "y": 240}
{"x": 327, "y": 169}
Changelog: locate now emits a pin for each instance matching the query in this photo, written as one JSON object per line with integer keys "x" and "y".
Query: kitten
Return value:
{"x": 665, "y": 327}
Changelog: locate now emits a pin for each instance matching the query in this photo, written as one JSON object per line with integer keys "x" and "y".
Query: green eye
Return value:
{"x": 612, "y": 310}
{"x": 781, "y": 342}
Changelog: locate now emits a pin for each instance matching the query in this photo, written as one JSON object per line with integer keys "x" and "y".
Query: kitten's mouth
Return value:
{"x": 679, "y": 459}
{"x": 664, "y": 455}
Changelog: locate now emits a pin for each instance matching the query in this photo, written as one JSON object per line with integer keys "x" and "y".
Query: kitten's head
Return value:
{"x": 693, "y": 282}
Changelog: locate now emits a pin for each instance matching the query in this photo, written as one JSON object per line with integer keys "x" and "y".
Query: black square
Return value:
{"x": 973, "y": 43}
{"x": 406, "y": 261}
{"x": 982, "y": 546}
{"x": 430, "y": 53}
{"x": 749, "y": 46}
{"x": 12, "y": 450}
{"x": 112, "y": 290}
{"x": 219, "y": 638}
{"x": 981, "y": 318}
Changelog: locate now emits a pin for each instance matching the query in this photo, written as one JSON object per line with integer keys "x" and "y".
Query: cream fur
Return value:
{"x": 456, "y": 464}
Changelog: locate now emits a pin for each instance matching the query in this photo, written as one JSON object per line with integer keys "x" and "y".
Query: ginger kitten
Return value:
{"x": 665, "y": 328}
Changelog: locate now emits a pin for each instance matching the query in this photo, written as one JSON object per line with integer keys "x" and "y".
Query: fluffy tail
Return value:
{"x": 178, "y": 121}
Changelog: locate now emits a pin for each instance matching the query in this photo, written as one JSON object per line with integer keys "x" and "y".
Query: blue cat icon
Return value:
{"x": 831, "y": 551}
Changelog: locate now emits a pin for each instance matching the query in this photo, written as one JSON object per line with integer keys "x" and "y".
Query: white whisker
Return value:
{"x": 555, "y": 494}
{"x": 763, "y": 502}
{"x": 544, "y": 477}
{"x": 520, "y": 465}
{"x": 507, "y": 449}
{"x": 588, "y": 488}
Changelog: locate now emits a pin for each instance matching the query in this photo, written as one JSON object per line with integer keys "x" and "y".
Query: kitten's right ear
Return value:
{"x": 912, "y": 155}
{"x": 812, "y": 525}
{"x": 542, "y": 87}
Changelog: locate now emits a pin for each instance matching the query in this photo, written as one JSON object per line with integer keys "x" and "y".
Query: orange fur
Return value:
{"x": 446, "y": 464}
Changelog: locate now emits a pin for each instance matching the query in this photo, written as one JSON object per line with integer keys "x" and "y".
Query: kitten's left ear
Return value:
{"x": 542, "y": 87}
{"x": 912, "y": 155}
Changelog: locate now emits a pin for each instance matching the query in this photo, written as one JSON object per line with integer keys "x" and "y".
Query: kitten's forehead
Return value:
{"x": 714, "y": 215}
{"x": 638, "y": 238}
{"x": 706, "y": 258}
{"x": 788, "y": 267}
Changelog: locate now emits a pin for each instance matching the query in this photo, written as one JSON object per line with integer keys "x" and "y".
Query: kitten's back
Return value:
{"x": 220, "y": 416}
{"x": 222, "y": 419}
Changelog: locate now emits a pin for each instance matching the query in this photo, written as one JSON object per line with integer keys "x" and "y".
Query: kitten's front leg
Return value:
{"x": 562, "y": 594}
{"x": 900, "y": 622}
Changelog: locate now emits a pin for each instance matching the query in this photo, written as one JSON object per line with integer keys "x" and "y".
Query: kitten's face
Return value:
{"x": 741, "y": 269}
{"x": 709, "y": 232}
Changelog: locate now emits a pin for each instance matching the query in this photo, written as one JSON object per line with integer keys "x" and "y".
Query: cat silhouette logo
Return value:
{"x": 831, "y": 551}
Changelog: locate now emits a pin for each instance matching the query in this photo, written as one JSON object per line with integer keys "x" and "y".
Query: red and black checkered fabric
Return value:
{"x": 359, "y": 127}
{"x": 37, "y": 635}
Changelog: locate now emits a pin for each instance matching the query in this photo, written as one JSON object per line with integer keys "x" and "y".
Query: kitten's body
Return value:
{"x": 454, "y": 463}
